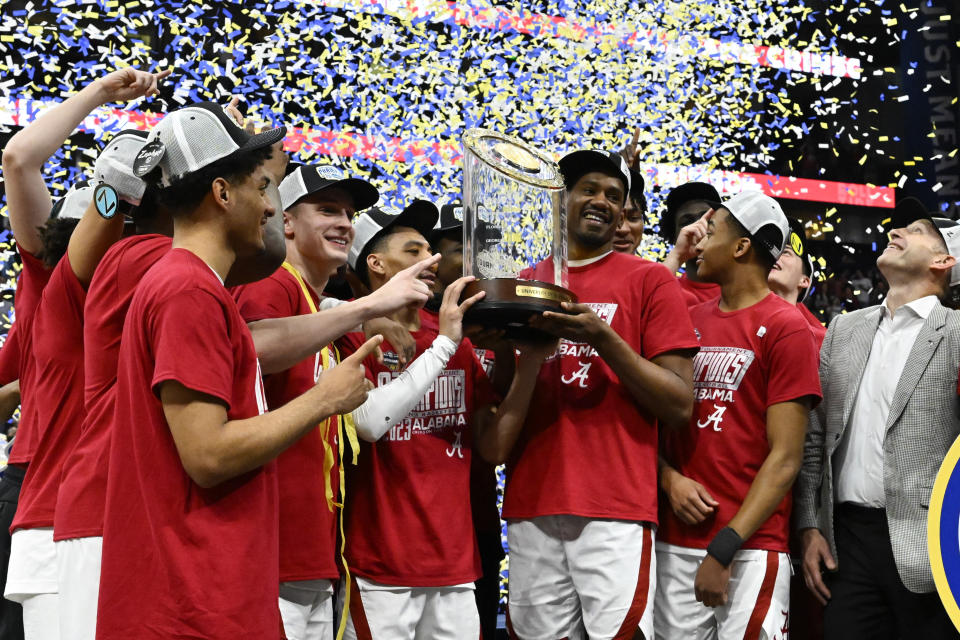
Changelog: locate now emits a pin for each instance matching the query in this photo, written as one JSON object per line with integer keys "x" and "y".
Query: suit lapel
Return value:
{"x": 861, "y": 341}
{"x": 923, "y": 348}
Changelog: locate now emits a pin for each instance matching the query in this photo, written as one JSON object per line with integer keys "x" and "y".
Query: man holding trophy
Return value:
{"x": 581, "y": 541}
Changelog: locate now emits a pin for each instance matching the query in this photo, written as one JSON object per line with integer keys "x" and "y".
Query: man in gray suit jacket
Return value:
{"x": 889, "y": 413}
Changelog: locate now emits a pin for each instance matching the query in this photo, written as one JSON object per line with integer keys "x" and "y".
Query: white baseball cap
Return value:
{"x": 114, "y": 165}
{"x": 306, "y": 179}
{"x": 74, "y": 202}
{"x": 949, "y": 230}
{"x": 755, "y": 210}
{"x": 188, "y": 139}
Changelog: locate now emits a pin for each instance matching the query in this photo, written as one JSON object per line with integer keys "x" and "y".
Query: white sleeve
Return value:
{"x": 385, "y": 406}
{"x": 327, "y": 302}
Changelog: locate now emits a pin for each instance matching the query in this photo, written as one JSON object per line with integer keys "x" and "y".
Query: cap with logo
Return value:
{"x": 577, "y": 164}
{"x": 451, "y": 217}
{"x": 949, "y": 230}
{"x": 755, "y": 210}
{"x": 421, "y": 215}
{"x": 678, "y": 196}
{"x": 74, "y": 202}
{"x": 306, "y": 179}
{"x": 114, "y": 165}
{"x": 193, "y": 137}
{"x": 797, "y": 245}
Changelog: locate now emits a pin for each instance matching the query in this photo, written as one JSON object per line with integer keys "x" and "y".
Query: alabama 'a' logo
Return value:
{"x": 715, "y": 419}
{"x": 580, "y": 376}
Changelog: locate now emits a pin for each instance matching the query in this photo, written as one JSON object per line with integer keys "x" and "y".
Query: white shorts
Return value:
{"x": 383, "y": 612}
{"x": 33, "y": 564}
{"x": 758, "y": 603}
{"x": 573, "y": 577}
{"x": 306, "y": 607}
{"x": 79, "y": 580}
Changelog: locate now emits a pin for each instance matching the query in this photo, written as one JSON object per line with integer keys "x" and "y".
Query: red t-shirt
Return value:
{"x": 588, "y": 449}
{"x": 816, "y": 327}
{"x": 408, "y": 519}
{"x": 83, "y": 487}
{"x": 698, "y": 292}
{"x": 56, "y": 393}
{"x": 181, "y": 561}
{"x": 308, "y": 529}
{"x": 33, "y": 278}
{"x": 10, "y": 356}
{"x": 749, "y": 360}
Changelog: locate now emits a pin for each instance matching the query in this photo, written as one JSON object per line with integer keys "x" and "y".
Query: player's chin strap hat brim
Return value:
{"x": 755, "y": 210}
{"x": 687, "y": 192}
{"x": 114, "y": 165}
{"x": 74, "y": 202}
{"x": 421, "y": 215}
{"x": 574, "y": 166}
{"x": 306, "y": 179}
{"x": 193, "y": 137}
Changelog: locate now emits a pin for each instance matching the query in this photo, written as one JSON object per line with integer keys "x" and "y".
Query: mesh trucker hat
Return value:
{"x": 677, "y": 197}
{"x": 193, "y": 137}
{"x": 74, "y": 202}
{"x": 306, "y": 179}
{"x": 755, "y": 210}
{"x": 421, "y": 215}
{"x": 114, "y": 165}
{"x": 949, "y": 230}
{"x": 575, "y": 165}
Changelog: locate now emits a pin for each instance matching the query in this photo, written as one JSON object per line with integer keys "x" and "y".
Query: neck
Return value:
{"x": 578, "y": 251}
{"x": 408, "y": 317}
{"x": 205, "y": 240}
{"x": 314, "y": 273}
{"x": 793, "y": 297}
{"x": 901, "y": 293}
{"x": 745, "y": 289}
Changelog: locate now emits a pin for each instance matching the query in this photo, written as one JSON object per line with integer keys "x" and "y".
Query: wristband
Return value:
{"x": 724, "y": 545}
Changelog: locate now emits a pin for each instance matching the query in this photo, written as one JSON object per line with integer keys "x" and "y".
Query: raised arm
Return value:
{"x": 28, "y": 199}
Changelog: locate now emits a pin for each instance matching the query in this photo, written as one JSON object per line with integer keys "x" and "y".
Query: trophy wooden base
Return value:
{"x": 510, "y": 303}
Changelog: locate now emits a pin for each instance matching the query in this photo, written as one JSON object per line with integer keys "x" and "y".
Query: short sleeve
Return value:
{"x": 189, "y": 337}
{"x": 666, "y": 322}
{"x": 267, "y": 298}
{"x": 793, "y": 369}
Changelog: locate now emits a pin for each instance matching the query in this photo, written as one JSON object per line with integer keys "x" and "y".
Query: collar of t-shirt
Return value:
{"x": 214, "y": 271}
{"x": 586, "y": 261}
{"x": 921, "y": 307}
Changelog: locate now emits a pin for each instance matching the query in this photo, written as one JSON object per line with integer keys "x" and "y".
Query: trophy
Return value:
{"x": 514, "y": 217}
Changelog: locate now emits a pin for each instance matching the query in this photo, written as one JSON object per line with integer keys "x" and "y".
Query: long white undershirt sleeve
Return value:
{"x": 387, "y": 405}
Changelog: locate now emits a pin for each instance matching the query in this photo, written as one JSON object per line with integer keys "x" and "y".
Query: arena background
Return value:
{"x": 838, "y": 109}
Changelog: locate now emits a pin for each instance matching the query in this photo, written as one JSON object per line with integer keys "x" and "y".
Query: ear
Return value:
{"x": 375, "y": 264}
{"x": 741, "y": 247}
{"x": 287, "y": 225}
{"x": 942, "y": 263}
{"x": 804, "y": 282}
{"x": 220, "y": 190}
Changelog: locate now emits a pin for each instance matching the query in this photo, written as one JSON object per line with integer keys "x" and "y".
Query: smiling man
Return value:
{"x": 581, "y": 539}
{"x": 722, "y": 557}
{"x": 889, "y": 415}
{"x": 792, "y": 276}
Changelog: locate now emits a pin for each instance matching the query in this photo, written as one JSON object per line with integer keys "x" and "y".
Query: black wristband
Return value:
{"x": 724, "y": 545}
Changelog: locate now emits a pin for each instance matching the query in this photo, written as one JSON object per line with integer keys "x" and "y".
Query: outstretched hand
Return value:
{"x": 630, "y": 152}
{"x": 129, "y": 84}
{"x": 690, "y": 236}
{"x": 452, "y": 310}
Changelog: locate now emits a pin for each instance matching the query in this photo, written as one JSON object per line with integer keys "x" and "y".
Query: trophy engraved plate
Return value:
{"x": 514, "y": 218}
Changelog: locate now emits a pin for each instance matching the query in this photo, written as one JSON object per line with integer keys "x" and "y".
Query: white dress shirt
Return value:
{"x": 859, "y": 458}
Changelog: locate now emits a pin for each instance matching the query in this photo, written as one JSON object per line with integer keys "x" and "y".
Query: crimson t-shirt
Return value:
{"x": 308, "y": 529}
{"x": 749, "y": 359}
{"x": 56, "y": 393}
{"x": 181, "y": 561}
{"x": 816, "y": 327}
{"x": 587, "y": 448}
{"x": 33, "y": 278}
{"x": 10, "y": 356}
{"x": 408, "y": 520}
{"x": 83, "y": 487}
{"x": 697, "y": 292}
